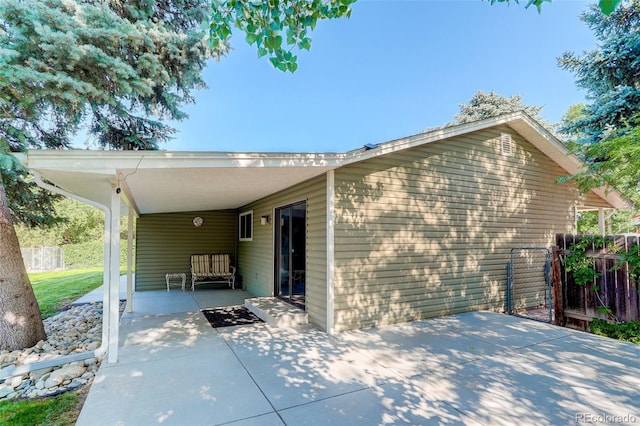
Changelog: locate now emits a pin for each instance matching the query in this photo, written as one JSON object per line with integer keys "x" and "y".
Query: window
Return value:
{"x": 506, "y": 144}
{"x": 246, "y": 226}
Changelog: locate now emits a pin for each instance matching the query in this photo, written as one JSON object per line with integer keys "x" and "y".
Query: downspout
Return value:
{"x": 55, "y": 362}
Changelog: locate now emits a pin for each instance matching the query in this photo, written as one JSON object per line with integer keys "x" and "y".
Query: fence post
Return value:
{"x": 557, "y": 288}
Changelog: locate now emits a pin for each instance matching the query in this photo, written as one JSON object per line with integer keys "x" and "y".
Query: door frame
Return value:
{"x": 301, "y": 302}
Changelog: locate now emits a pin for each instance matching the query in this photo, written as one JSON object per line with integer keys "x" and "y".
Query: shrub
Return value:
{"x": 86, "y": 255}
{"x": 625, "y": 331}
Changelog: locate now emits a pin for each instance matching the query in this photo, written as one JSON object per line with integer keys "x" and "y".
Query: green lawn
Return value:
{"x": 61, "y": 410}
{"x": 54, "y": 290}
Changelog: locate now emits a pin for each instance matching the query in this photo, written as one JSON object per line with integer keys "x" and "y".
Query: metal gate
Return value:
{"x": 529, "y": 288}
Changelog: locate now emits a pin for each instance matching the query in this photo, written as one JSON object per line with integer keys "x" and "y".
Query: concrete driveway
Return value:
{"x": 474, "y": 368}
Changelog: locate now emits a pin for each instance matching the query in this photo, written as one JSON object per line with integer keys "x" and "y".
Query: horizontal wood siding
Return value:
{"x": 165, "y": 243}
{"x": 593, "y": 200}
{"x": 427, "y": 231}
{"x": 256, "y": 258}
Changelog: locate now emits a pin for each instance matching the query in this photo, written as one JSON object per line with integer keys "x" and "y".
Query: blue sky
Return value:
{"x": 393, "y": 69}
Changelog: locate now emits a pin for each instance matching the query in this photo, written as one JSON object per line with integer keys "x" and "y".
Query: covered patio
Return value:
{"x": 131, "y": 184}
{"x": 474, "y": 368}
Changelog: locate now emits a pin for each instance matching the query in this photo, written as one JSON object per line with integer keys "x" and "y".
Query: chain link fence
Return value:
{"x": 41, "y": 259}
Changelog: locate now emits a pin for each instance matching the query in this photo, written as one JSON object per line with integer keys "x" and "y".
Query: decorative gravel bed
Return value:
{"x": 75, "y": 330}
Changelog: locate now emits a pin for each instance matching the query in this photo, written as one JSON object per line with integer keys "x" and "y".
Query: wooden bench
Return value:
{"x": 210, "y": 268}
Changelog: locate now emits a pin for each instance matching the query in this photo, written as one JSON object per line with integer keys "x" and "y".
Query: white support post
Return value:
{"x": 330, "y": 251}
{"x": 114, "y": 278}
{"x": 130, "y": 260}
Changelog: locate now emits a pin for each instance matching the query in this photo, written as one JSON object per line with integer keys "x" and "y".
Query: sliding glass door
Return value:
{"x": 291, "y": 227}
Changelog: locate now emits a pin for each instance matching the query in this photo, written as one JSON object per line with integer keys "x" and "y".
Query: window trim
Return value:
{"x": 241, "y": 216}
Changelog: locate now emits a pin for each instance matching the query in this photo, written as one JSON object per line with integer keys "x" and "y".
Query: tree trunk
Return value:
{"x": 20, "y": 320}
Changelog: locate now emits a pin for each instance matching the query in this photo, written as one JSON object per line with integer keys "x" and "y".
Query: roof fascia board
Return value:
{"x": 111, "y": 161}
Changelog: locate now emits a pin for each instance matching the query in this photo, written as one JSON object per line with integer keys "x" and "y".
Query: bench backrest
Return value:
{"x": 201, "y": 264}
{"x": 220, "y": 264}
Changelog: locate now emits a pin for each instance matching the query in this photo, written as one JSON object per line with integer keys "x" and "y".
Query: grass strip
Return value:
{"x": 54, "y": 290}
{"x": 60, "y": 410}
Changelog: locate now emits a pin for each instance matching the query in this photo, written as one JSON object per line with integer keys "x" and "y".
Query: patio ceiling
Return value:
{"x": 161, "y": 181}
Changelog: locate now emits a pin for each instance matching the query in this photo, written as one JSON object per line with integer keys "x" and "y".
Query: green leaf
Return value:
{"x": 608, "y": 6}
{"x": 281, "y": 66}
{"x": 305, "y": 43}
{"x": 251, "y": 38}
{"x": 275, "y": 62}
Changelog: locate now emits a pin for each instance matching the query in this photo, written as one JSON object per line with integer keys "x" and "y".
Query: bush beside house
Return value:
{"x": 85, "y": 255}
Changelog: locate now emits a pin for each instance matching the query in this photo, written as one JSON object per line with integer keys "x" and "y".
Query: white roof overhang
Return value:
{"x": 162, "y": 181}
{"x": 165, "y": 181}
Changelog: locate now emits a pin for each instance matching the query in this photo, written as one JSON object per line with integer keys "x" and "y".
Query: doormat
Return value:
{"x": 229, "y": 316}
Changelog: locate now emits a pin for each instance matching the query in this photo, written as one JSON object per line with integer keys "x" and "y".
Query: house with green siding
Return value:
{"x": 408, "y": 229}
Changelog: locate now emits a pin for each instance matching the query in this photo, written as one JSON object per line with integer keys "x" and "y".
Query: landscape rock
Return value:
{"x": 24, "y": 385}
{"x": 16, "y": 381}
{"x": 38, "y": 374}
{"x": 93, "y": 346}
{"x": 5, "y": 390}
{"x": 88, "y": 375}
{"x": 61, "y": 375}
{"x": 78, "y": 329}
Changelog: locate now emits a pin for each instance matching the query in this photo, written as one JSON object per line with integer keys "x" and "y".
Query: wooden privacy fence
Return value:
{"x": 614, "y": 287}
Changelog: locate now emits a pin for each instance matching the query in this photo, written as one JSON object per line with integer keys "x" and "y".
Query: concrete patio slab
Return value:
{"x": 390, "y": 404}
{"x": 417, "y": 348}
{"x": 295, "y": 367}
{"x": 271, "y": 419}
{"x": 161, "y": 302}
{"x": 554, "y": 382}
{"x": 152, "y": 337}
{"x": 210, "y": 388}
{"x": 505, "y": 331}
{"x": 476, "y": 368}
